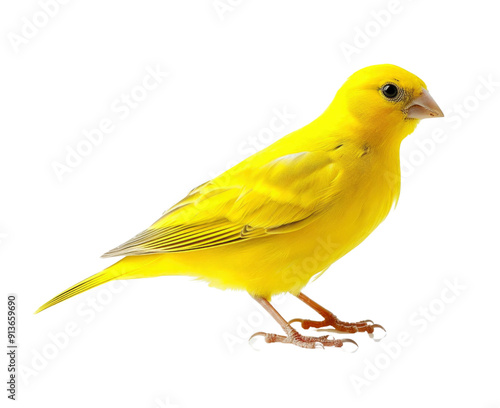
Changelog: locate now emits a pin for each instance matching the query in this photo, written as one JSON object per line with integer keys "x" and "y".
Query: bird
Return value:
{"x": 284, "y": 215}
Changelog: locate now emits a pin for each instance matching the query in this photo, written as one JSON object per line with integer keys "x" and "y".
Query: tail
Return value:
{"x": 104, "y": 276}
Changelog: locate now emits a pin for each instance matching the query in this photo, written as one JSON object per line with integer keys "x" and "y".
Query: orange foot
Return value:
{"x": 329, "y": 319}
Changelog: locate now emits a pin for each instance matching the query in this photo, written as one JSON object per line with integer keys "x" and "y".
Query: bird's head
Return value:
{"x": 387, "y": 99}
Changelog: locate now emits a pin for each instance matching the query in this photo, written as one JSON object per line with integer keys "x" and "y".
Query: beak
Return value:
{"x": 423, "y": 106}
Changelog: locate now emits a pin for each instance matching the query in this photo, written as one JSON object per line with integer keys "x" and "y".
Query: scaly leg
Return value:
{"x": 292, "y": 336}
{"x": 331, "y": 320}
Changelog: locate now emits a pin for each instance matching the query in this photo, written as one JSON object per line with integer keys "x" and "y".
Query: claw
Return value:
{"x": 349, "y": 341}
{"x": 372, "y": 336}
{"x": 257, "y": 334}
{"x": 252, "y": 340}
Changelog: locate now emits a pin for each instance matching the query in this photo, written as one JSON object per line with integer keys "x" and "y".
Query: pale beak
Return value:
{"x": 423, "y": 106}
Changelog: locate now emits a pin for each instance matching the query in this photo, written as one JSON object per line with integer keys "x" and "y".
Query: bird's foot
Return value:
{"x": 339, "y": 326}
{"x": 299, "y": 340}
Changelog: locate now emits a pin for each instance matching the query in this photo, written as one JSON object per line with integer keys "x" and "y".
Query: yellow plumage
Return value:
{"x": 285, "y": 214}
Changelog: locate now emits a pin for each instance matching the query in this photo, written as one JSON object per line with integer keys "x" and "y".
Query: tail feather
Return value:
{"x": 104, "y": 276}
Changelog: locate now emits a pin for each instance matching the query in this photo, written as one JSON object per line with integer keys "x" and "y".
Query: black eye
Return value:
{"x": 390, "y": 91}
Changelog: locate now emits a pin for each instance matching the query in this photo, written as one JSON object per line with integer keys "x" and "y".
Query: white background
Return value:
{"x": 174, "y": 342}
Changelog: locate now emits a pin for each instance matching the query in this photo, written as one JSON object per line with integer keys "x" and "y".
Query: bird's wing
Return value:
{"x": 246, "y": 202}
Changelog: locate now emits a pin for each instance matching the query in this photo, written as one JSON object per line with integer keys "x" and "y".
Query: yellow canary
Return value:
{"x": 285, "y": 214}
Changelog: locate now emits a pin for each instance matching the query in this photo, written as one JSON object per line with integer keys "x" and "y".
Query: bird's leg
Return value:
{"x": 331, "y": 320}
{"x": 292, "y": 336}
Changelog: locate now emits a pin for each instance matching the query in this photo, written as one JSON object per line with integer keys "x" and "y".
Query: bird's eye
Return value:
{"x": 390, "y": 91}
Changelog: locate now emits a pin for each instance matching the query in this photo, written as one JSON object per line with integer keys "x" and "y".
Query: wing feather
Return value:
{"x": 246, "y": 202}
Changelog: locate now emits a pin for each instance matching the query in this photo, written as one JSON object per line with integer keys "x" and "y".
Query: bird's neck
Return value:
{"x": 379, "y": 140}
